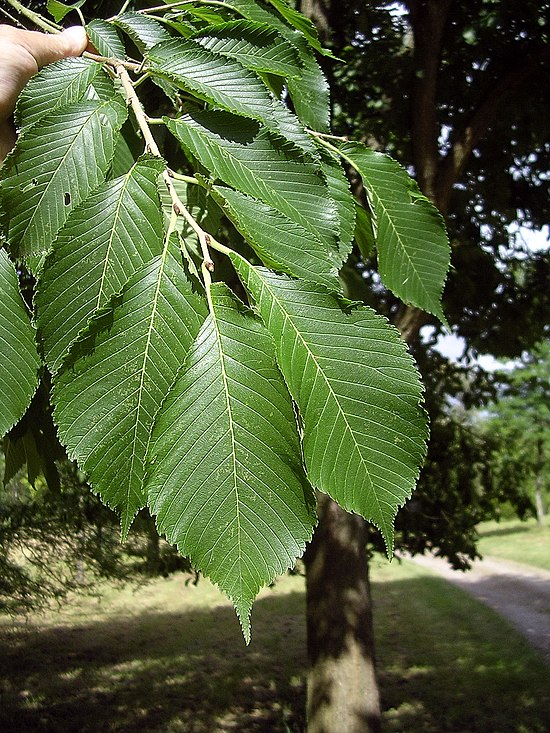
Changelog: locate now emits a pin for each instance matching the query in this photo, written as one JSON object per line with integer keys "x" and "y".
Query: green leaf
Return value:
{"x": 226, "y": 480}
{"x": 144, "y": 31}
{"x": 106, "y": 402}
{"x": 226, "y": 84}
{"x": 20, "y": 451}
{"x": 19, "y": 360}
{"x": 247, "y": 158}
{"x": 53, "y": 167}
{"x": 59, "y": 10}
{"x": 105, "y": 39}
{"x": 357, "y": 390}
{"x": 210, "y": 77}
{"x": 128, "y": 148}
{"x": 56, "y": 85}
{"x": 104, "y": 241}
{"x": 301, "y": 23}
{"x": 147, "y": 32}
{"x": 255, "y": 45}
{"x": 280, "y": 243}
{"x": 411, "y": 241}
{"x": 309, "y": 92}
{"x": 338, "y": 186}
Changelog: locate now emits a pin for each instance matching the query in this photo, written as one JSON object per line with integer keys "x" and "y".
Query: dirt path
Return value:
{"x": 519, "y": 593}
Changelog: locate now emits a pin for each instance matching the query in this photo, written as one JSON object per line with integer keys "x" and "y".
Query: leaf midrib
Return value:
{"x": 232, "y": 435}
{"x": 57, "y": 167}
{"x": 154, "y": 308}
{"x": 311, "y": 357}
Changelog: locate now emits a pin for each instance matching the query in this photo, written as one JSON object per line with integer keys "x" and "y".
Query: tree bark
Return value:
{"x": 539, "y": 482}
{"x": 342, "y": 687}
{"x": 342, "y": 694}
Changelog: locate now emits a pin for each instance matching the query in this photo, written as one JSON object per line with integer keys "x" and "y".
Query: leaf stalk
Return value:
{"x": 152, "y": 147}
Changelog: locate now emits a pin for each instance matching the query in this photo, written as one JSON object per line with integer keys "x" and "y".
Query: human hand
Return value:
{"x": 22, "y": 54}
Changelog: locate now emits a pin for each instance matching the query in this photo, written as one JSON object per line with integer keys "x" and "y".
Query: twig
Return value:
{"x": 9, "y": 16}
{"x": 326, "y": 135}
{"x": 151, "y": 145}
{"x": 112, "y": 61}
{"x": 36, "y": 18}
{"x": 182, "y": 177}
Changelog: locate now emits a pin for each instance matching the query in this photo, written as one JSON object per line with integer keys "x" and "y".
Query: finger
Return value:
{"x": 49, "y": 48}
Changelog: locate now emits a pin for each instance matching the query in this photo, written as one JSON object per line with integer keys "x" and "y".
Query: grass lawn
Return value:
{"x": 513, "y": 539}
{"x": 170, "y": 658}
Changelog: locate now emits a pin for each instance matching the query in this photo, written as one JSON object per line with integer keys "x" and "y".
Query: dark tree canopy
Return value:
{"x": 453, "y": 90}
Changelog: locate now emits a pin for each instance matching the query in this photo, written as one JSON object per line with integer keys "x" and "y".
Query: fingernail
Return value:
{"x": 76, "y": 37}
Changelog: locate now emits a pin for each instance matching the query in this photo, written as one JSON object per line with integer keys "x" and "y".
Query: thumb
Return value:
{"x": 49, "y": 48}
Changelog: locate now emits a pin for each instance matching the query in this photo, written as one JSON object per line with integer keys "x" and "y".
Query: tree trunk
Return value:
{"x": 342, "y": 688}
{"x": 539, "y": 481}
{"x": 153, "y": 548}
{"x": 342, "y": 691}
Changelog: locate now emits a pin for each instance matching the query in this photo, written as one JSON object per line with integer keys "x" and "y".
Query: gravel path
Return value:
{"x": 519, "y": 593}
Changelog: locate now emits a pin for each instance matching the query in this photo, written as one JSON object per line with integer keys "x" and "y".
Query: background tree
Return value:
{"x": 453, "y": 92}
{"x": 519, "y": 425}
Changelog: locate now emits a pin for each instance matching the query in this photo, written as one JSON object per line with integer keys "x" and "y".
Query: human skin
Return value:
{"x": 22, "y": 54}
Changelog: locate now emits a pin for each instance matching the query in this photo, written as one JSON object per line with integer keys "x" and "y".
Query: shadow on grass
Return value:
{"x": 188, "y": 672}
{"x": 504, "y": 531}
{"x": 444, "y": 669}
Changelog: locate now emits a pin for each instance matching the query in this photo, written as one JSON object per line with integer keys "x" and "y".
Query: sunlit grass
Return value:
{"x": 512, "y": 539}
{"x": 170, "y": 658}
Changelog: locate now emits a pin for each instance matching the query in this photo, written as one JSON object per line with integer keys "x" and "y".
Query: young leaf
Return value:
{"x": 225, "y": 474}
{"x": 106, "y": 402}
{"x": 19, "y": 360}
{"x": 53, "y": 167}
{"x": 363, "y": 439}
{"x": 411, "y": 242}
{"x": 64, "y": 82}
{"x": 247, "y": 158}
{"x": 103, "y": 242}
{"x": 105, "y": 39}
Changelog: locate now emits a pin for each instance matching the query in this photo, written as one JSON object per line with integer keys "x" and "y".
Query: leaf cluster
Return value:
{"x": 188, "y": 306}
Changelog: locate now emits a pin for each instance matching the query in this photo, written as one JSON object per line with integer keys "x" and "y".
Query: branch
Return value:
{"x": 480, "y": 120}
{"x": 428, "y": 20}
{"x": 152, "y": 147}
{"x": 36, "y": 18}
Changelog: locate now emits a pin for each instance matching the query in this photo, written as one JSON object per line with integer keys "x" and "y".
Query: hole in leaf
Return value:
{"x": 67, "y": 199}
{"x": 29, "y": 186}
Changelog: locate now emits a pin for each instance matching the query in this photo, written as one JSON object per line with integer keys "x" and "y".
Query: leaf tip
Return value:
{"x": 126, "y": 521}
{"x": 243, "y": 610}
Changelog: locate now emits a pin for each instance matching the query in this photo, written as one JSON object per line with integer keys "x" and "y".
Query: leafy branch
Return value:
{"x": 183, "y": 393}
